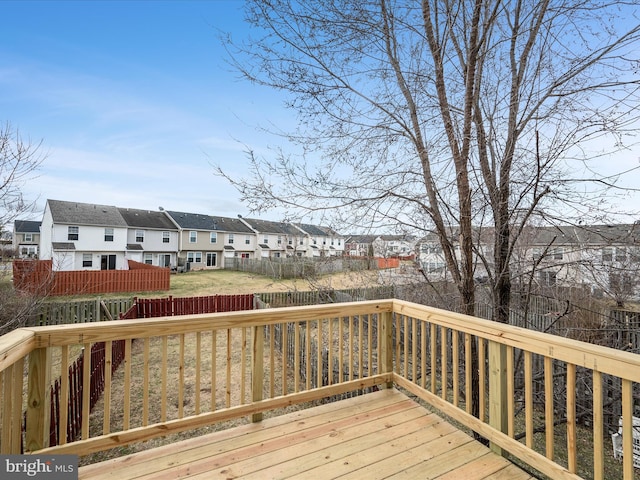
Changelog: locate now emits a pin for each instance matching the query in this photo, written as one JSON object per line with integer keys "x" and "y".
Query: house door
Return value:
{"x": 108, "y": 262}
{"x": 211, "y": 259}
{"x": 165, "y": 260}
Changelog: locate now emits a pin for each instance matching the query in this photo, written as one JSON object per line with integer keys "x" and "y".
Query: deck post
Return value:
{"x": 38, "y": 400}
{"x": 498, "y": 390}
{"x": 386, "y": 344}
{"x": 257, "y": 367}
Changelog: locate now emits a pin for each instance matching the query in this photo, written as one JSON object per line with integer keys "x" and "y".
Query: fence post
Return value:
{"x": 386, "y": 344}
{"x": 38, "y": 400}
{"x": 257, "y": 367}
{"x": 498, "y": 389}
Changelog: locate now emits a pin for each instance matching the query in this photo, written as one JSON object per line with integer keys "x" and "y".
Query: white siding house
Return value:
{"x": 81, "y": 236}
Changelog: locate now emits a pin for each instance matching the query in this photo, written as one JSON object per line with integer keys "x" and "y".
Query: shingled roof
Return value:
{"x": 75, "y": 213}
{"x": 146, "y": 219}
{"x": 198, "y": 221}
{"x": 26, "y": 226}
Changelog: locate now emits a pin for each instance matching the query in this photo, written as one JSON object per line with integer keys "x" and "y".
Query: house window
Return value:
{"x": 557, "y": 253}
{"x": 301, "y": 242}
{"x": 212, "y": 259}
{"x": 166, "y": 236}
{"x": 87, "y": 260}
{"x": 193, "y": 236}
{"x": 72, "y": 233}
{"x": 607, "y": 254}
{"x": 291, "y": 241}
{"x": 194, "y": 257}
{"x": 621, "y": 254}
{"x": 230, "y": 239}
{"x": 265, "y": 240}
{"x": 247, "y": 240}
{"x": 140, "y": 236}
{"x": 276, "y": 254}
{"x": 332, "y": 241}
{"x": 244, "y": 255}
{"x": 315, "y": 241}
{"x": 547, "y": 278}
{"x": 339, "y": 242}
{"x": 213, "y": 237}
{"x": 148, "y": 258}
{"x": 28, "y": 237}
{"x": 279, "y": 239}
{"x": 108, "y": 234}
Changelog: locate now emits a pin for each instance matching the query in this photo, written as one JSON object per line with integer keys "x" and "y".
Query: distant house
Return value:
{"x": 26, "y": 238}
{"x": 276, "y": 239}
{"x": 323, "y": 241}
{"x": 152, "y": 237}
{"x": 205, "y": 240}
{"x": 604, "y": 259}
{"x": 83, "y": 236}
{"x": 385, "y": 246}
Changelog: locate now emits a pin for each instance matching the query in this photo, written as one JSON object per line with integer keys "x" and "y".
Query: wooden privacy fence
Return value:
{"x": 170, "y": 306}
{"x": 82, "y": 311}
{"x": 37, "y": 277}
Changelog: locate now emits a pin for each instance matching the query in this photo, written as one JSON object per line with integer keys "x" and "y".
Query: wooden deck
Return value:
{"x": 380, "y": 435}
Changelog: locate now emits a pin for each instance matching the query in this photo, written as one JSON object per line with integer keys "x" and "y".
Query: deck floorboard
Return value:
{"x": 375, "y": 436}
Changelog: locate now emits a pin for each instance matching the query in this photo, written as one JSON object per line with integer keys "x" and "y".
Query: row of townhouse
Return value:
{"x": 602, "y": 258}
{"x": 384, "y": 246}
{"x": 80, "y": 236}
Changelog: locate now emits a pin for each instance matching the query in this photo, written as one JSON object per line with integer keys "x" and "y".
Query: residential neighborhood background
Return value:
{"x": 601, "y": 259}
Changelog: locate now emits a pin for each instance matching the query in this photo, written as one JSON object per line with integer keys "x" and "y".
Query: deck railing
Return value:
{"x": 182, "y": 373}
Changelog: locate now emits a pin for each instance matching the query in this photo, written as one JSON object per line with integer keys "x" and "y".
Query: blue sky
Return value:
{"x": 132, "y": 100}
{"x": 133, "y": 103}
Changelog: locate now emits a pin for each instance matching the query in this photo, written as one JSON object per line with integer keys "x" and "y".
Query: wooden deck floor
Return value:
{"x": 380, "y": 435}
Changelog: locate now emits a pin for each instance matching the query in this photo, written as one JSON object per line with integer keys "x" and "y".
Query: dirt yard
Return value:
{"x": 224, "y": 282}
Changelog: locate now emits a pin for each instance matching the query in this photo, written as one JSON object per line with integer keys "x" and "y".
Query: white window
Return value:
{"x": 194, "y": 257}
{"x": 247, "y": 240}
{"x": 87, "y": 260}
{"x": 230, "y": 239}
{"x": 166, "y": 237}
{"x": 139, "y": 235}
{"x": 148, "y": 258}
{"x": 72, "y": 233}
{"x": 213, "y": 237}
{"x": 193, "y": 236}
{"x": 108, "y": 234}
{"x": 279, "y": 239}
{"x": 28, "y": 237}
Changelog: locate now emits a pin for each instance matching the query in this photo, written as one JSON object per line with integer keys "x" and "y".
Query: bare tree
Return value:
{"x": 19, "y": 159}
{"x": 446, "y": 116}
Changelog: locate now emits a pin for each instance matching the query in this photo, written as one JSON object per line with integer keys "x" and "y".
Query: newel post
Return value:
{"x": 386, "y": 344}
{"x": 498, "y": 389}
{"x": 38, "y": 400}
{"x": 257, "y": 367}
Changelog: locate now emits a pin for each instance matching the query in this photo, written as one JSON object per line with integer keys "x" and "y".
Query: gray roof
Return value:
{"x": 361, "y": 238}
{"x": 26, "y": 226}
{"x": 75, "y": 213}
{"x": 267, "y": 226}
{"x": 315, "y": 230}
{"x": 199, "y": 221}
{"x": 146, "y": 219}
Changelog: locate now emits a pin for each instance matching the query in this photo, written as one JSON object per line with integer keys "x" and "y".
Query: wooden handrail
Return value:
{"x": 323, "y": 350}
